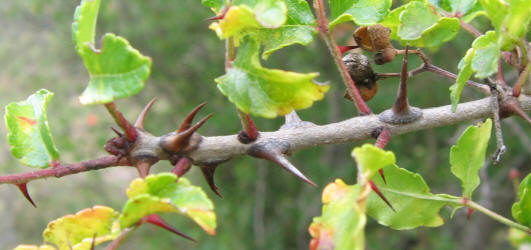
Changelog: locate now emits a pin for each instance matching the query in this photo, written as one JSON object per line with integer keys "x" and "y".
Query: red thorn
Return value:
{"x": 184, "y": 136}
{"x": 377, "y": 191}
{"x": 343, "y": 49}
{"x": 143, "y": 168}
{"x": 381, "y": 172}
{"x": 155, "y": 219}
{"x": 23, "y": 187}
{"x": 220, "y": 16}
{"x": 117, "y": 132}
{"x": 190, "y": 117}
{"x": 140, "y": 120}
{"x": 208, "y": 173}
{"x": 251, "y": 131}
{"x": 182, "y": 166}
{"x": 469, "y": 213}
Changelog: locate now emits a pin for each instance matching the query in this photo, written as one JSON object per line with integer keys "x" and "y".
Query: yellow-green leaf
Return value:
{"x": 117, "y": 70}
{"x": 521, "y": 209}
{"x": 78, "y": 230}
{"x": 370, "y": 159}
{"x": 28, "y": 132}
{"x": 342, "y": 222}
{"x": 267, "y": 92}
{"x": 415, "y": 205}
{"x": 468, "y": 156}
{"x": 164, "y": 193}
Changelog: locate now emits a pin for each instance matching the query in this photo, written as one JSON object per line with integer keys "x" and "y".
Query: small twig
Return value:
{"x": 521, "y": 81}
{"x": 64, "y": 169}
{"x": 500, "y": 77}
{"x": 337, "y": 55}
{"x": 469, "y": 28}
{"x": 118, "y": 241}
{"x": 495, "y": 104}
{"x": 426, "y": 66}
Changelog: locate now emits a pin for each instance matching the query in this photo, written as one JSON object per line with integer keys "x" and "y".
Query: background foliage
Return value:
{"x": 263, "y": 207}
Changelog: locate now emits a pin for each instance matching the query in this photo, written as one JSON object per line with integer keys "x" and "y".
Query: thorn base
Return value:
{"x": 391, "y": 117}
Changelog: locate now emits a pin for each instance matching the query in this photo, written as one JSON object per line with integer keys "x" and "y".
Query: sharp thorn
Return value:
{"x": 93, "y": 243}
{"x": 220, "y": 16}
{"x": 381, "y": 172}
{"x": 23, "y": 187}
{"x": 208, "y": 173}
{"x": 281, "y": 161}
{"x": 185, "y": 135}
{"x": 377, "y": 191}
{"x": 343, "y": 49}
{"x": 469, "y": 213}
{"x": 190, "y": 117}
{"x": 155, "y": 219}
{"x": 140, "y": 120}
{"x": 143, "y": 168}
{"x": 117, "y": 132}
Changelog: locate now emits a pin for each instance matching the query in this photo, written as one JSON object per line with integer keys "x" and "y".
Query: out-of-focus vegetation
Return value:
{"x": 263, "y": 206}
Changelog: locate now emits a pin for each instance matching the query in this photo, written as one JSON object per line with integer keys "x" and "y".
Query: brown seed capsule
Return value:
{"x": 361, "y": 72}
{"x": 384, "y": 56}
{"x": 373, "y": 38}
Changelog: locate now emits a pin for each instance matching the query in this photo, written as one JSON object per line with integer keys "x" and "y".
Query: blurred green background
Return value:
{"x": 263, "y": 207}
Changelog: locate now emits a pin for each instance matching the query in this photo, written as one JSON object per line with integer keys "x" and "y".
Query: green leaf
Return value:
{"x": 362, "y": 12}
{"x": 417, "y": 24}
{"x": 482, "y": 59}
{"x": 510, "y": 19}
{"x": 117, "y": 70}
{"x": 461, "y": 7}
{"x": 267, "y": 92}
{"x": 521, "y": 210}
{"x": 297, "y": 27}
{"x": 468, "y": 156}
{"x": 370, "y": 159}
{"x": 415, "y": 205}
{"x": 84, "y": 25}
{"x": 216, "y": 5}
{"x": 164, "y": 193}
{"x": 78, "y": 230}
{"x": 342, "y": 223}
{"x": 518, "y": 238}
{"x": 28, "y": 132}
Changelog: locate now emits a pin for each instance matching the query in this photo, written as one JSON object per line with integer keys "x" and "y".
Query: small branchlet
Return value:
{"x": 401, "y": 113}
{"x": 275, "y": 151}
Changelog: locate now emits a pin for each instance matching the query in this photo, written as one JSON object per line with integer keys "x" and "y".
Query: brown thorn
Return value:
{"x": 208, "y": 173}
{"x": 143, "y": 168}
{"x": 140, "y": 120}
{"x": 23, "y": 187}
{"x": 155, "y": 219}
{"x": 117, "y": 132}
{"x": 190, "y": 117}
{"x": 469, "y": 213}
{"x": 272, "y": 151}
{"x": 93, "y": 244}
{"x": 220, "y": 16}
{"x": 377, "y": 191}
